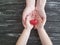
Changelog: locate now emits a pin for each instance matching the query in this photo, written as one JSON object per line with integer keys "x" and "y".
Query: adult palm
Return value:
{"x": 41, "y": 17}
{"x": 27, "y": 11}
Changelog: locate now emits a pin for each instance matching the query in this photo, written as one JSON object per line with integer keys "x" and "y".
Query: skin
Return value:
{"x": 30, "y": 3}
{"x": 40, "y": 16}
{"x": 22, "y": 40}
{"x": 30, "y": 6}
{"x": 40, "y": 26}
{"x": 41, "y": 4}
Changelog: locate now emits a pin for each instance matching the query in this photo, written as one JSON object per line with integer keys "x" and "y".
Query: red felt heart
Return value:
{"x": 33, "y": 22}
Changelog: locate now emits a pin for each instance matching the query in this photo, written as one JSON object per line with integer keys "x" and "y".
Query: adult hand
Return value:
{"x": 27, "y": 11}
{"x": 41, "y": 17}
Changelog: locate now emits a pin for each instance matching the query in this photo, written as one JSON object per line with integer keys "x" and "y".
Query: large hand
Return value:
{"x": 41, "y": 17}
{"x": 27, "y": 11}
{"x": 41, "y": 12}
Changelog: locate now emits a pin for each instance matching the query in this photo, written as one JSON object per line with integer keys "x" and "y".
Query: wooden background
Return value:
{"x": 11, "y": 24}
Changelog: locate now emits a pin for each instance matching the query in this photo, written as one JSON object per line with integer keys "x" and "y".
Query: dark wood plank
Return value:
{"x": 11, "y": 22}
{"x": 53, "y": 11}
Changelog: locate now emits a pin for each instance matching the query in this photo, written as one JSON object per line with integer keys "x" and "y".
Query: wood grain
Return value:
{"x": 11, "y": 22}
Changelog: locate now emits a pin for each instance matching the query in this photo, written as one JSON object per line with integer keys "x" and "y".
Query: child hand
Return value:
{"x": 28, "y": 25}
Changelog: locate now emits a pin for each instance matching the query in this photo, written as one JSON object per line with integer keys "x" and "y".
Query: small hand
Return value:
{"x": 28, "y": 25}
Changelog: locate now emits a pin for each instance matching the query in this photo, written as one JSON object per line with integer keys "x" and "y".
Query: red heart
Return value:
{"x": 33, "y": 22}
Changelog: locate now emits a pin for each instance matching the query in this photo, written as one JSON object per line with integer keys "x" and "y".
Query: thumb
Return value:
{"x": 28, "y": 18}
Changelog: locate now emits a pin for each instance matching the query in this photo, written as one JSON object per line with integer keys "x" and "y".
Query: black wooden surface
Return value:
{"x": 11, "y": 22}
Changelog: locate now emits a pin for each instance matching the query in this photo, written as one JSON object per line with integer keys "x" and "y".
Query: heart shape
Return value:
{"x": 33, "y": 21}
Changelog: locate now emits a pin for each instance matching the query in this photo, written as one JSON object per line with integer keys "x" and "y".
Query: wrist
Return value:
{"x": 30, "y": 7}
{"x": 40, "y": 28}
{"x": 30, "y": 3}
{"x": 39, "y": 8}
{"x": 28, "y": 28}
